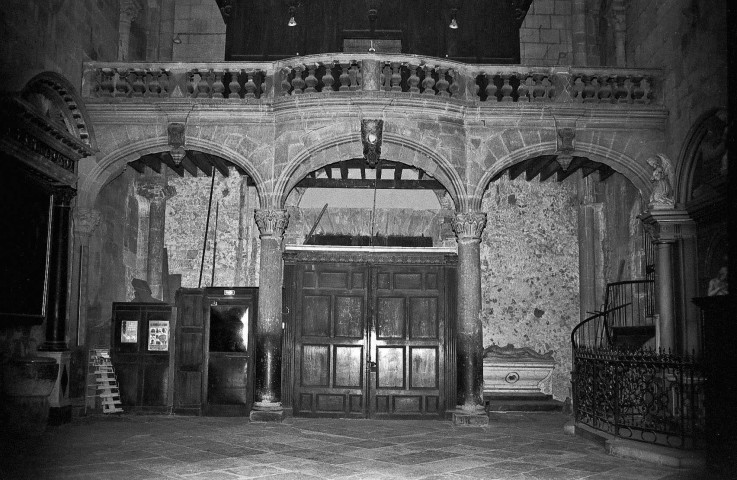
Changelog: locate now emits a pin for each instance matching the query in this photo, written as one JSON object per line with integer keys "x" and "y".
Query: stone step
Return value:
{"x": 528, "y": 403}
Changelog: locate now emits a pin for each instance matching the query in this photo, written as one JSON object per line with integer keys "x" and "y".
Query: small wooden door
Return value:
{"x": 189, "y": 386}
{"x": 370, "y": 339}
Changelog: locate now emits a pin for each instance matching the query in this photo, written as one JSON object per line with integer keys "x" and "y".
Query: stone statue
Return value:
{"x": 719, "y": 285}
{"x": 142, "y": 292}
{"x": 511, "y": 352}
{"x": 662, "y": 177}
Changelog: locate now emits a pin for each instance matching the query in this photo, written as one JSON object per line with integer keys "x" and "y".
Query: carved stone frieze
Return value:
{"x": 86, "y": 221}
{"x": 403, "y": 258}
{"x": 469, "y": 225}
{"x": 272, "y": 223}
{"x": 35, "y": 145}
{"x": 155, "y": 190}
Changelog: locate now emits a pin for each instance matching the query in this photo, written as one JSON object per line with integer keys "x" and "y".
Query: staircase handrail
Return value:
{"x": 602, "y": 314}
{"x": 630, "y": 291}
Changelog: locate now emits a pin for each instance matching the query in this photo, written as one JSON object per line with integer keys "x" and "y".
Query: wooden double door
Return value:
{"x": 371, "y": 339}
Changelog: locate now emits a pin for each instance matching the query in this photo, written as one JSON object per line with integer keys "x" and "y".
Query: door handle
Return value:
{"x": 372, "y": 366}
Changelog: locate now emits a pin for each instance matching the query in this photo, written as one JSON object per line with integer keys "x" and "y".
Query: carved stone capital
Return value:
{"x": 155, "y": 191}
{"x": 272, "y": 223}
{"x": 85, "y": 221}
{"x": 63, "y": 195}
{"x": 469, "y": 225}
{"x": 129, "y": 10}
{"x": 668, "y": 226}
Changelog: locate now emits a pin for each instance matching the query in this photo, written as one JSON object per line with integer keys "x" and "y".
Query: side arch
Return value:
{"x": 395, "y": 147}
{"x": 59, "y": 91}
{"x": 114, "y": 163}
{"x": 634, "y": 171}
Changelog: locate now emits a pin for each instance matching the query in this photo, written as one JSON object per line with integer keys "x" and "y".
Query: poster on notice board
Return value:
{"x": 158, "y": 335}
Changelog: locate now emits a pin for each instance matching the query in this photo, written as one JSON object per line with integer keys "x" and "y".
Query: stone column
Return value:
{"x": 55, "y": 346}
{"x": 267, "y": 372}
{"x": 666, "y": 227}
{"x": 590, "y": 256}
{"x": 156, "y": 191}
{"x": 86, "y": 221}
{"x": 129, "y": 10}
{"x": 469, "y": 346}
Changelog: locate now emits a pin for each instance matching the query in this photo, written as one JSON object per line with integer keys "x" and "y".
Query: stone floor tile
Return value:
{"x": 255, "y": 471}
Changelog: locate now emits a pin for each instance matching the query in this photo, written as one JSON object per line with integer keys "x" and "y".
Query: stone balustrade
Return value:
{"x": 393, "y": 74}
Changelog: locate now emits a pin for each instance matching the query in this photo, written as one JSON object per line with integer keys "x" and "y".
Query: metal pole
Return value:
{"x": 207, "y": 226}
{"x": 215, "y": 244}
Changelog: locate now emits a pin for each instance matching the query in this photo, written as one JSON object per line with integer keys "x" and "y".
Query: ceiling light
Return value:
{"x": 453, "y": 22}
{"x": 177, "y": 39}
{"x": 292, "y": 22}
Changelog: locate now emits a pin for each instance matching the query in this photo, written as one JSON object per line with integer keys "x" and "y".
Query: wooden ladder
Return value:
{"x": 106, "y": 382}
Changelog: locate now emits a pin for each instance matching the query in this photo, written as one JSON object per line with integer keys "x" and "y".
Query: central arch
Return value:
{"x": 397, "y": 148}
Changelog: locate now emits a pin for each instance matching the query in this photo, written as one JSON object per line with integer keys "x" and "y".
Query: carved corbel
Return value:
{"x": 176, "y": 141}
{"x": 371, "y": 132}
{"x": 566, "y": 146}
{"x": 86, "y": 221}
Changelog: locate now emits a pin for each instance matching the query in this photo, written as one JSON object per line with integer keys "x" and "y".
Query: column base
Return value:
{"x": 473, "y": 416}
{"x": 267, "y": 412}
{"x": 59, "y": 402}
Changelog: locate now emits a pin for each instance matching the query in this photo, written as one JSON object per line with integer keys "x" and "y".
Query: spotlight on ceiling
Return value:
{"x": 177, "y": 39}
{"x": 292, "y": 22}
{"x": 453, "y": 22}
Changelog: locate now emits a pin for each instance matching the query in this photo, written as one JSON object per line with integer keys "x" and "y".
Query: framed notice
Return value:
{"x": 129, "y": 331}
{"x": 158, "y": 335}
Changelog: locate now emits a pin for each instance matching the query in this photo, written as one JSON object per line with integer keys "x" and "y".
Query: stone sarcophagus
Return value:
{"x": 516, "y": 371}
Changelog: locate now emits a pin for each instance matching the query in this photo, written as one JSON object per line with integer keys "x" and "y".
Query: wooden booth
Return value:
{"x": 214, "y": 350}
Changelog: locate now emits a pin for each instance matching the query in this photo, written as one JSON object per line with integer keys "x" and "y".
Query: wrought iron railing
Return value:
{"x": 636, "y": 296}
{"x": 647, "y": 396}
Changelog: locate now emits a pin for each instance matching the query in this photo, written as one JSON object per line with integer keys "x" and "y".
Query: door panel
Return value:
{"x": 369, "y": 339}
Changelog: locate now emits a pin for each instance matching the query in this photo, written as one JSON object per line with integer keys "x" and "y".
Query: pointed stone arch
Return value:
{"x": 49, "y": 92}
{"x": 116, "y": 161}
{"x": 395, "y": 147}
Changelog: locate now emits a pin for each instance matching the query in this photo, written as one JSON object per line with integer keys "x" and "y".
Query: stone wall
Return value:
{"x": 40, "y": 35}
{"x": 529, "y": 270}
{"x": 237, "y": 233}
{"x": 545, "y": 35}
{"x": 688, "y": 40}
{"x": 194, "y": 17}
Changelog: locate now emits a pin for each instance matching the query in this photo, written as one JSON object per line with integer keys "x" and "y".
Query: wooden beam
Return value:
{"x": 328, "y": 171}
{"x": 605, "y": 171}
{"x": 378, "y": 171}
{"x": 537, "y": 165}
{"x": 549, "y": 170}
{"x": 153, "y": 162}
{"x": 343, "y": 170}
{"x": 369, "y": 183}
{"x": 189, "y": 166}
{"x": 397, "y": 172}
{"x": 201, "y": 162}
{"x": 169, "y": 162}
{"x": 517, "y": 169}
{"x": 363, "y": 172}
{"x": 138, "y": 165}
{"x": 219, "y": 163}
{"x": 420, "y": 174}
{"x": 574, "y": 165}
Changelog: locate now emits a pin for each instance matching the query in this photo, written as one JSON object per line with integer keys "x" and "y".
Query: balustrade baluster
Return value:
{"x": 250, "y": 86}
{"x": 153, "y": 88}
{"x": 162, "y": 78}
{"x": 136, "y": 80}
{"x": 491, "y": 88}
{"x": 428, "y": 82}
{"x": 204, "y": 88}
{"x": 506, "y": 87}
{"x": 605, "y": 89}
{"x": 286, "y": 84}
{"x": 311, "y": 80}
{"x": 637, "y": 91}
{"x": 106, "y": 82}
{"x": 396, "y": 77}
{"x": 526, "y": 84}
{"x": 192, "y": 79}
{"x": 122, "y": 86}
{"x": 454, "y": 88}
{"x": 621, "y": 93}
{"x": 327, "y": 78}
{"x": 443, "y": 83}
{"x": 577, "y": 89}
{"x": 542, "y": 88}
{"x": 355, "y": 76}
{"x": 647, "y": 90}
{"x": 589, "y": 89}
{"x": 414, "y": 80}
{"x": 385, "y": 78}
{"x": 298, "y": 84}
{"x": 217, "y": 85}
{"x": 344, "y": 78}
{"x": 233, "y": 86}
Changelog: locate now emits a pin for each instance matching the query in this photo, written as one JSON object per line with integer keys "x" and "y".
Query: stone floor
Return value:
{"x": 136, "y": 447}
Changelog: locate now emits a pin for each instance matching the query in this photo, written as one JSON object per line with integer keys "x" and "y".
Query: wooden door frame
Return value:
{"x": 295, "y": 255}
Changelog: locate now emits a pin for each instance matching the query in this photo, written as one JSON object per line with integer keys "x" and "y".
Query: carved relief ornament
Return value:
{"x": 154, "y": 190}
{"x": 85, "y": 221}
{"x": 469, "y": 225}
{"x": 272, "y": 223}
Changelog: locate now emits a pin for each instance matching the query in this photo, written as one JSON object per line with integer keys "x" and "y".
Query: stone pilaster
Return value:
{"x": 86, "y": 221}
{"x": 470, "y": 350}
{"x": 156, "y": 192}
{"x": 667, "y": 227}
{"x": 269, "y": 332}
{"x": 129, "y": 11}
{"x": 590, "y": 254}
